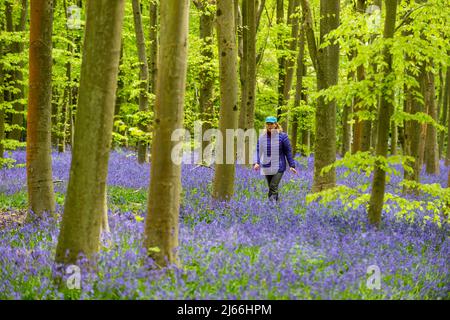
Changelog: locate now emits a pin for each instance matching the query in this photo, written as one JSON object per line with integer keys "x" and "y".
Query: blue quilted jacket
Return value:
{"x": 285, "y": 151}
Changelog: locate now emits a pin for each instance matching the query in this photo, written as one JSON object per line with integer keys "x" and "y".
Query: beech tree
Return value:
{"x": 41, "y": 197}
{"x": 85, "y": 204}
{"x": 223, "y": 184}
{"x": 143, "y": 76}
{"x": 326, "y": 63}
{"x": 161, "y": 225}
{"x": 384, "y": 116}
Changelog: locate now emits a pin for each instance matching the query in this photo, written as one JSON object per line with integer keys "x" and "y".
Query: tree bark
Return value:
{"x": 143, "y": 77}
{"x": 161, "y": 226}
{"x": 243, "y": 66}
{"x": 251, "y": 75}
{"x": 280, "y": 57}
{"x": 326, "y": 63}
{"x": 299, "y": 92}
{"x": 413, "y": 133}
{"x": 39, "y": 161}
{"x": 153, "y": 54}
{"x": 206, "y": 78}
{"x": 85, "y": 205}
{"x": 2, "y": 111}
{"x": 290, "y": 60}
{"x": 384, "y": 116}
{"x": 18, "y": 47}
{"x": 346, "y": 126}
{"x": 447, "y": 106}
{"x": 431, "y": 145}
{"x": 223, "y": 184}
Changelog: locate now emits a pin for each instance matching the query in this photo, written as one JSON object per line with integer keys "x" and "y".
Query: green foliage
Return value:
{"x": 435, "y": 204}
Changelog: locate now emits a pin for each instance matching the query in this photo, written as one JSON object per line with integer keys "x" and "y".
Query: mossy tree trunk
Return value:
{"x": 85, "y": 204}
{"x": 326, "y": 63}
{"x": 206, "y": 79}
{"x": 143, "y": 77}
{"x": 384, "y": 117}
{"x": 223, "y": 184}
{"x": 161, "y": 225}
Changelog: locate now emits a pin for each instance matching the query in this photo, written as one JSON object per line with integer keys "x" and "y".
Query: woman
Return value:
{"x": 272, "y": 150}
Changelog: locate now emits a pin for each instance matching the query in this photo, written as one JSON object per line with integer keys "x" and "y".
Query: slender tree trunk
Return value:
{"x": 326, "y": 63}
{"x": 2, "y": 111}
{"x": 440, "y": 111}
{"x": 299, "y": 94}
{"x": 293, "y": 20}
{"x": 243, "y": 67}
{"x": 360, "y": 134}
{"x": 394, "y": 138}
{"x": 223, "y": 184}
{"x": 39, "y": 161}
{"x": 206, "y": 78}
{"x": 346, "y": 126}
{"x": 153, "y": 54}
{"x": 281, "y": 57}
{"x": 384, "y": 115}
{"x": 161, "y": 226}
{"x": 251, "y": 74}
{"x": 431, "y": 145}
{"x": 67, "y": 97}
{"x": 413, "y": 134}
{"x": 119, "y": 99}
{"x": 85, "y": 204}
{"x": 447, "y": 104}
{"x": 2, "y": 116}
{"x": 445, "y": 95}
{"x": 143, "y": 77}
{"x": 18, "y": 47}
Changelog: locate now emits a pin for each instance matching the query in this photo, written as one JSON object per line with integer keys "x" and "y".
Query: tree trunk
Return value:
{"x": 223, "y": 184}
{"x": 281, "y": 45}
{"x": 299, "y": 94}
{"x": 251, "y": 75}
{"x": 361, "y": 135}
{"x": 413, "y": 133}
{"x": 2, "y": 111}
{"x": 39, "y": 159}
{"x": 243, "y": 66}
{"x": 161, "y": 226}
{"x": 290, "y": 61}
{"x": 153, "y": 54}
{"x": 384, "y": 116}
{"x": 440, "y": 112}
{"x": 447, "y": 105}
{"x": 445, "y": 101}
{"x": 346, "y": 126}
{"x": 431, "y": 145}
{"x": 326, "y": 63}
{"x": 394, "y": 138}
{"x": 85, "y": 205}
{"x": 206, "y": 78}
{"x": 143, "y": 77}
{"x": 18, "y": 47}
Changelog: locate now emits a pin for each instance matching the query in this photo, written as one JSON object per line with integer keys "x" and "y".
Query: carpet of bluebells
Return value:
{"x": 243, "y": 249}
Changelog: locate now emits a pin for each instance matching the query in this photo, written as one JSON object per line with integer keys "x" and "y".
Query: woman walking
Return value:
{"x": 272, "y": 151}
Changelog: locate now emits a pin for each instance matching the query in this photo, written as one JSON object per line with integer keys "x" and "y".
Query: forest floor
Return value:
{"x": 244, "y": 249}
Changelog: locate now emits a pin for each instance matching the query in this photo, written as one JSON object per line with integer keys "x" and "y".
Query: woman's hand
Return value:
{"x": 256, "y": 167}
{"x": 293, "y": 170}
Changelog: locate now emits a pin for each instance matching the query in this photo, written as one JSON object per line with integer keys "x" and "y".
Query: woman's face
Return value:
{"x": 270, "y": 126}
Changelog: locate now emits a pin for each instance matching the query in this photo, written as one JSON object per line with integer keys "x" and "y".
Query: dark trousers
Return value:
{"x": 273, "y": 181}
